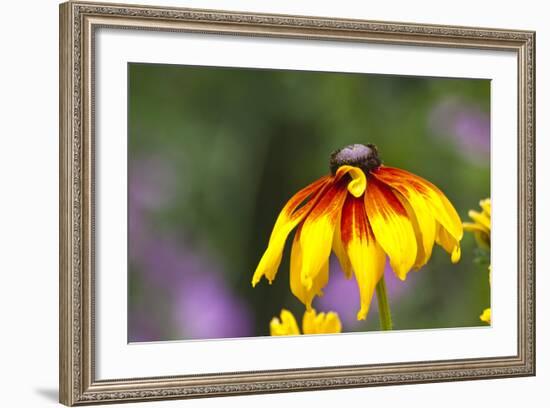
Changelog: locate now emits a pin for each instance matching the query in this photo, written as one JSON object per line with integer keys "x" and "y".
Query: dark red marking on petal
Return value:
{"x": 303, "y": 201}
{"x": 394, "y": 175}
{"x": 330, "y": 200}
{"x": 354, "y": 220}
{"x": 383, "y": 197}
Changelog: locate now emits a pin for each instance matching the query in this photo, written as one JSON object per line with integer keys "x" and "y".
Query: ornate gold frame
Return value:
{"x": 78, "y": 22}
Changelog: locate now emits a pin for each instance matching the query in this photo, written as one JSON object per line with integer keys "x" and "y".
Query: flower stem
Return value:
{"x": 383, "y": 305}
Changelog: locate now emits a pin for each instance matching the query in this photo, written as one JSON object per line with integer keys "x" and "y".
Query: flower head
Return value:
{"x": 362, "y": 211}
{"x": 481, "y": 225}
{"x": 312, "y": 323}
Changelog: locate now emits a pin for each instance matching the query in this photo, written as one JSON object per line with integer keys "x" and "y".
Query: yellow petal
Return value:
{"x": 449, "y": 243}
{"x": 318, "y": 231}
{"x": 308, "y": 322}
{"x": 455, "y": 255}
{"x": 443, "y": 211}
{"x": 358, "y": 182}
{"x": 486, "y": 316}
{"x": 290, "y": 216}
{"x": 321, "y": 323}
{"x": 366, "y": 256}
{"x": 481, "y": 227}
{"x": 331, "y": 323}
{"x": 391, "y": 226}
{"x": 482, "y": 236}
{"x": 424, "y": 226}
{"x": 284, "y": 327}
{"x": 420, "y": 214}
{"x": 486, "y": 206}
{"x": 303, "y": 293}
{"x": 340, "y": 251}
{"x": 473, "y": 227}
{"x": 481, "y": 219}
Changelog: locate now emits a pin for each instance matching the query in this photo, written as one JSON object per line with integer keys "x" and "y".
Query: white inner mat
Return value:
{"x": 115, "y": 358}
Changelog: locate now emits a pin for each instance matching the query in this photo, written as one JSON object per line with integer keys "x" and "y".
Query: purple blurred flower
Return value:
{"x": 174, "y": 272}
{"x": 467, "y": 125}
{"x": 342, "y": 295}
{"x": 164, "y": 261}
{"x": 206, "y": 309}
{"x": 151, "y": 183}
{"x": 142, "y": 327}
{"x": 202, "y": 304}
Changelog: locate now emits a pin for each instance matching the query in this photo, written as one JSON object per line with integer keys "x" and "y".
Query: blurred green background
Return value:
{"x": 215, "y": 153}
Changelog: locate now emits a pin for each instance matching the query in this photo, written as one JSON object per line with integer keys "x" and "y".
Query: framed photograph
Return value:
{"x": 258, "y": 203}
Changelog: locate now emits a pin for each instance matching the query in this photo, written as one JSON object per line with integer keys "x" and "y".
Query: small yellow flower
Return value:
{"x": 363, "y": 211}
{"x": 486, "y": 316}
{"x": 312, "y": 323}
{"x": 481, "y": 227}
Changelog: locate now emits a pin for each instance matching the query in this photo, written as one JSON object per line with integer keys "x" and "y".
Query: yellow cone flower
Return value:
{"x": 312, "y": 323}
{"x": 481, "y": 227}
{"x": 363, "y": 211}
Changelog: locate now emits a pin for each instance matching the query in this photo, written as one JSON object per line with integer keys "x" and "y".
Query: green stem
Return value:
{"x": 383, "y": 305}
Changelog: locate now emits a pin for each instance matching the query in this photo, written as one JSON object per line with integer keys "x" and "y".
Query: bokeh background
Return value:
{"x": 215, "y": 153}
